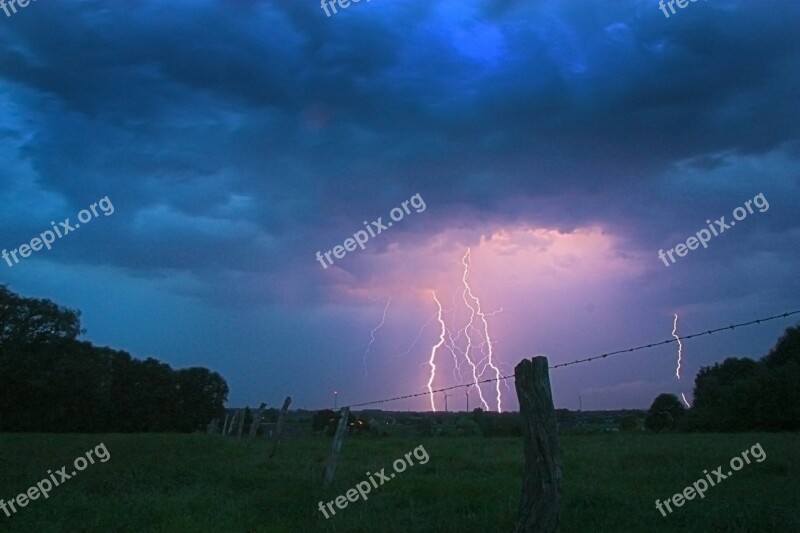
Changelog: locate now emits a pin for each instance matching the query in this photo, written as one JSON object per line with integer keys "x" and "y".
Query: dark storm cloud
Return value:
{"x": 237, "y": 138}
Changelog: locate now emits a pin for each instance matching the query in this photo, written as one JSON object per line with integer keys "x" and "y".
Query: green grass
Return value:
{"x": 201, "y": 483}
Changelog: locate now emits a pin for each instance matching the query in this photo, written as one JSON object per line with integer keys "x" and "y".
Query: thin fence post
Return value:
{"x": 540, "y": 505}
{"x": 225, "y": 425}
{"x": 279, "y": 428}
{"x": 233, "y": 422}
{"x": 338, "y": 439}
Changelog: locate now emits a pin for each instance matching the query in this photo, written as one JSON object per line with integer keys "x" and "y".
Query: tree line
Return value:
{"x": 50, "y": 381}
{"x": 739, "y": 394}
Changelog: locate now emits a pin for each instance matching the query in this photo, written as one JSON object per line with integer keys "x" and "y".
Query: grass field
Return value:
{"x": 206, "y": 483}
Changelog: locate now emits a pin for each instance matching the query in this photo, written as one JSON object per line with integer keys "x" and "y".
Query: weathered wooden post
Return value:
{"x": 255, "y": 423}
{"x": 279, "y": 428}
{"x": 233, "y": 422}
{"x": 338, "y": 439}
{"x": 225, "y": 424}
{"x": 540, "y": 505}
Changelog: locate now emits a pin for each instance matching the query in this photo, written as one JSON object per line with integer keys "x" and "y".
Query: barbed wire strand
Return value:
{"x": 652, "y": 345}
{"x": 586, "y": 360}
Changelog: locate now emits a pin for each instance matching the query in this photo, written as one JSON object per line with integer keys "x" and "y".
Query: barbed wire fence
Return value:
{"x": 542, "y": 452}
{"x": 730, "y": 327}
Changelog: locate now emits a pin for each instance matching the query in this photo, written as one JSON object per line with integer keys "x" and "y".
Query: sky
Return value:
{"x": 552, "y": 148}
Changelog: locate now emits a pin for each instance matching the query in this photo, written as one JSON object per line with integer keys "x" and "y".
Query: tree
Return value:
{"x": 727, "y": 396}
{"x": 780, "y": 394}
{"x": 786, "y": 349}
{"x": 51, "y": 381}
{"x": 741, "y": 394}
{"x": 25, "y": 321}
{"x": 664, "y": 413}
{"x": 201, "y": 396}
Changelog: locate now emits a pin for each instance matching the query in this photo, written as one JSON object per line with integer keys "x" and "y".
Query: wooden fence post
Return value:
{"x": 540, "y": 505}
{"x": 279, "y": 428}
{"x": 338, "y": 439}
{"x": 225, "y": 425}
{"x": 255, "y": 423}
{"x": 233, "y": 422}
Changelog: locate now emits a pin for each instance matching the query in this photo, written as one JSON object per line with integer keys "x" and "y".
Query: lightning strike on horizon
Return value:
{"x": 431, "y": 361}
{"x": 487, "y": 338}
{"x": 477, "y": 341}
{"x": 456, "y": 365}
{"x": 452, "y": 345}
{"x": 372, "y": 334}
{"x": 680, "y": 353}
{"x": 680, "y": 346}
{"x": 468, "y": 327}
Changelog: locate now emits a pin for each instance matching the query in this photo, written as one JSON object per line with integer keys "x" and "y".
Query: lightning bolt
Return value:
{"x": 372, "y": 334}
{"x": 487, "y": 338}
{"x": 680, "y": 346}
{"x": 680, "y": 353}
{"x": 456, "y": 365}
{"x": 431, "y": 361}
{"x": 452, "y": 345}
{"x": 469, "y": 326}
